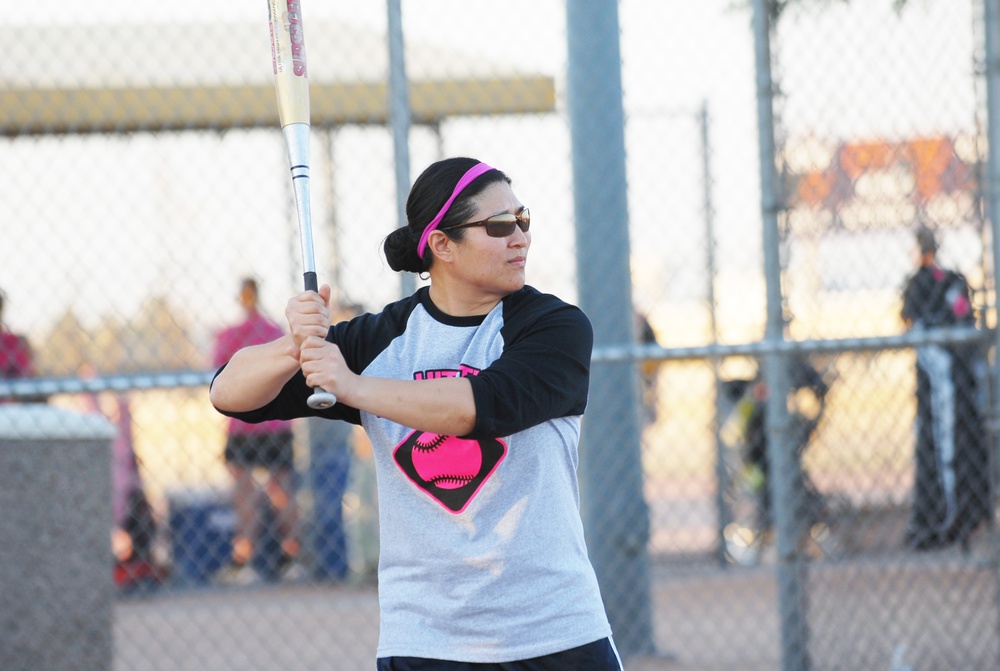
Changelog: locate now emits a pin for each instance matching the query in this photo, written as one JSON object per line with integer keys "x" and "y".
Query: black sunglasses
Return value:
{"x": 500, "y": 225}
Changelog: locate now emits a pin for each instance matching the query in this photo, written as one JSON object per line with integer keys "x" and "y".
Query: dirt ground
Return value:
{"x": 932, "y": 612}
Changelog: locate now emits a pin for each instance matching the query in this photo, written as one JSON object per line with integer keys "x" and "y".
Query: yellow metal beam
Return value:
{"x": 35, "y": 111}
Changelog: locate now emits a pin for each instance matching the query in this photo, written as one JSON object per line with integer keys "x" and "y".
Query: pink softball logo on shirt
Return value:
{"x": 449, "y": 469}
{"x": 446, "y": 461}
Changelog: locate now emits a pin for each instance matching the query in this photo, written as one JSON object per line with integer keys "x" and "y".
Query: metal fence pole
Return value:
{"x": 785, "y": 507}
{"x": 336, "y": 259}
{"x": 399, "y": 116}
{"x": 721, "y": 472}
{"x": 991, "y": 29}
{"x": 613, "y": 507}
{"x": 708, "y": 205}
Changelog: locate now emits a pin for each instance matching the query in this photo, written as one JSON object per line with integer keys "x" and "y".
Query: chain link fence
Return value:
{"x": 849, "y": 528}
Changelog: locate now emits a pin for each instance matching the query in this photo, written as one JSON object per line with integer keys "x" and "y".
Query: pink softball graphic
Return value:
{"x": 448, "y": 469}
{"x": 447, "y": 462}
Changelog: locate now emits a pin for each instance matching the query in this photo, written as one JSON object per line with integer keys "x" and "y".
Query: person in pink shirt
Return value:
{"x": 266, "y": 446}
{"x": 16, "y": 359}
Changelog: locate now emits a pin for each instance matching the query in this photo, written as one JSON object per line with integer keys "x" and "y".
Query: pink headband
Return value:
{"x": 473, "y": 172}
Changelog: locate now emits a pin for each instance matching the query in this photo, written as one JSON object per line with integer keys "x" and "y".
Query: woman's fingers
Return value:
{"x": 308, "y": 315}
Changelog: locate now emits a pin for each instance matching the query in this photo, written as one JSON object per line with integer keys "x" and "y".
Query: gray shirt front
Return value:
{"x": 483, "y": 556}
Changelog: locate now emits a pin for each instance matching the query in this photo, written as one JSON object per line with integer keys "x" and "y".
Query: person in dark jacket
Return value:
{"x": 951, "y": 495}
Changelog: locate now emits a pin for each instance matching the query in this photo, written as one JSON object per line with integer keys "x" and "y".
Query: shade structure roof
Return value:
{"x": 124, "y": 78}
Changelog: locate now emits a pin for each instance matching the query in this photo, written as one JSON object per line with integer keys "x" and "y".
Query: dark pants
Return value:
{"x": 952, "y": 494}
{"x": 328, "y": 477}
{"x": 331, "y": 452}
{"x": 597, "y": 656}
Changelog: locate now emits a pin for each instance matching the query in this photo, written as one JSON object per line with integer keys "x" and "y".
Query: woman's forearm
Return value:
{"x": 254, "y": 376}
{"x": 445, "y": 406}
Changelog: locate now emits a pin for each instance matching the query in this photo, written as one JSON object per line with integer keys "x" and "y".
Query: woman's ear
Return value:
{"x": 441, "y": 245}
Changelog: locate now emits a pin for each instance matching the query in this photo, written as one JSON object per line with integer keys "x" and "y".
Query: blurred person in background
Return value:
{"x": 648, "y": 369}
{"x": 16, "y": 360}
{"x": 744, "y": 428}
{"x": 951, "y": 495}
{"x": 134, "y": 524}
{"x": 472, "y": 392}
{"x": 331, "y": 451}
{"x": 266, "y": 447}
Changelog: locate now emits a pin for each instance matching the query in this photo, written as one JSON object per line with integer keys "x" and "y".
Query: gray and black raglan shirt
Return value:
{"x": 482, "y": 547}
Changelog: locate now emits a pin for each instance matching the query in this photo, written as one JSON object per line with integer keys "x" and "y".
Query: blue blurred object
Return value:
{"x": 201, "y": 528}
{"x": 269, "y": 560}
{"x": 331, "y": 452}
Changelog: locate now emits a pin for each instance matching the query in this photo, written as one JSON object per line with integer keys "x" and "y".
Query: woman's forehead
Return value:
{"x": 497, "y": 197}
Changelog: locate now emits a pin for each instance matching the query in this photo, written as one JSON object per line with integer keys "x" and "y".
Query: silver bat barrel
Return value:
{"x": 297, "y": 143}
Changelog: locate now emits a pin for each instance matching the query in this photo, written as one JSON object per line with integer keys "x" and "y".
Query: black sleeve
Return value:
{"x": 543, "y": 373}
{"x": 360, "y": 340}
{"x": 290, "y": 403}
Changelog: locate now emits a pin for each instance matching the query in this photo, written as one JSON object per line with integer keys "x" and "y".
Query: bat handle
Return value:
{"x": 320, "y": 399}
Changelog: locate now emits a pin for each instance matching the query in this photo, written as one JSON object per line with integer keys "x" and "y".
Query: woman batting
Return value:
{"x": 471, "y": 391}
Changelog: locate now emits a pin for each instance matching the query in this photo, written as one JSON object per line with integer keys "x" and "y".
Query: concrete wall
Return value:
{"x": 56, "y": 588}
